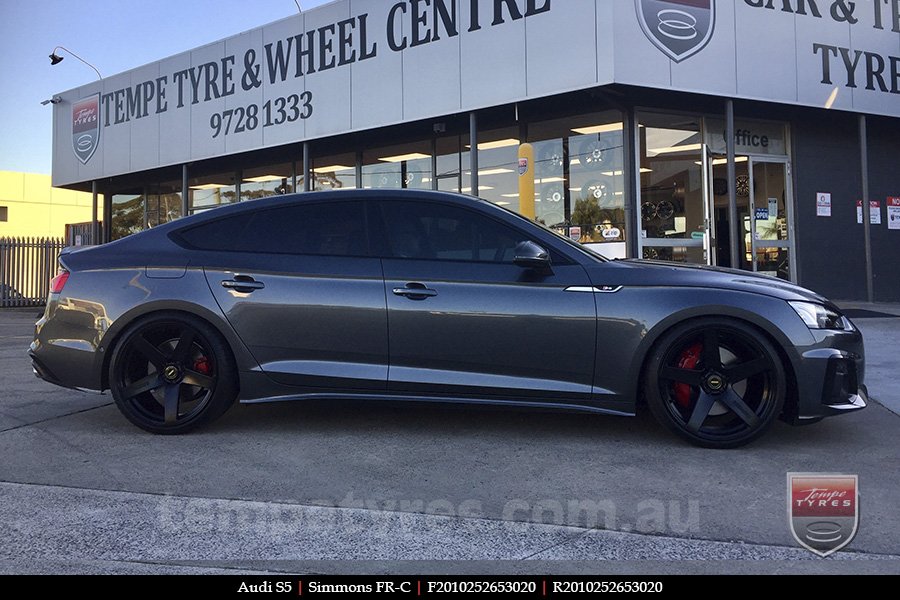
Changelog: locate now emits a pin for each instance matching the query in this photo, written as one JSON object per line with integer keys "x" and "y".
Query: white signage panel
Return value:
{"x": 357, "y": 64}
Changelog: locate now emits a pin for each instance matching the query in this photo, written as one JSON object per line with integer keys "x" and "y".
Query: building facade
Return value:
{"x": 31, "y": 207}
{"x": 739, "y": 133}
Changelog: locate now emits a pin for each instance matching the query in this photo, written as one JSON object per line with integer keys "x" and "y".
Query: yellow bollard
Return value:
{"x": 526, "y": 181}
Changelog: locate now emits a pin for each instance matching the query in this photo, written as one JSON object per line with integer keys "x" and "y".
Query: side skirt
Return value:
{"x": 440, "y": 400}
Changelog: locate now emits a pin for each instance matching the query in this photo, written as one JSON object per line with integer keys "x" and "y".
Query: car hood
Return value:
{"x": 633, "y": 272}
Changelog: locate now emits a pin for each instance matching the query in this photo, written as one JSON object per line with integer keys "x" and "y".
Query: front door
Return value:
{"x": 465, "y": 321}
{"x": 771, "y": 218}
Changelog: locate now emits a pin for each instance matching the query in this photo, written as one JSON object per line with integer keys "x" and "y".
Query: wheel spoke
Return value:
{"x": 173, "y": 392}
{"x": 688, "y": 376}
{"x": 149, "y": 351}
{"x": 198, "y": 379}
{"x": 701, "y": 410}
{"x": 745, "y": 370}
{"x": 737, "y": 405}
{"x": 183, "y": 348}
{"x": 145, "y": 384}
{"x": 711, "y": 357}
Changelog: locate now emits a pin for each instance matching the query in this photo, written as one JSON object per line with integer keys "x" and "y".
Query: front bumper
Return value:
{"x": 830, "y": 376}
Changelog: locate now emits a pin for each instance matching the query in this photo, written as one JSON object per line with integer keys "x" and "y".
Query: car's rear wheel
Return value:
{"x": 171, "y": 373}
{"x": 717, "y": 382}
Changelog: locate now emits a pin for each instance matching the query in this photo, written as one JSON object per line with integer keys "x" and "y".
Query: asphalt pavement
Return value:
{"x": 371, "y": 487}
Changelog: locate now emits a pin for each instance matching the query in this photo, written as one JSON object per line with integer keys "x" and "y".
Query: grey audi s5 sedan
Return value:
{"x": 433, "y": 297}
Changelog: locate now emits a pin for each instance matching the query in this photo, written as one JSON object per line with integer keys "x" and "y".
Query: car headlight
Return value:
{"x": 817, "y": 316}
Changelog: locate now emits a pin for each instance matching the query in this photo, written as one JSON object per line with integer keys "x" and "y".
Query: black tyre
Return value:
{"x": 171, "y": 373}
{"x": 716, "y": 382}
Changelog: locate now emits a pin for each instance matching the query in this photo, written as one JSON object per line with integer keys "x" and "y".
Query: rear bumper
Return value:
{"x": 65, "y": 355}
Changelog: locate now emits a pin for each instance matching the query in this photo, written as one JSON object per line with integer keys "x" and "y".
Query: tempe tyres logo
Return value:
{"x": 86, "y": 127}
{"x": 823, "y": 510}
{"x": 680, "y": 28}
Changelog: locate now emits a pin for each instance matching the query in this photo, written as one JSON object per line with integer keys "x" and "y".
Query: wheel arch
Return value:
{"x": 242, "y": 357}
{"x": 753, "y": 320}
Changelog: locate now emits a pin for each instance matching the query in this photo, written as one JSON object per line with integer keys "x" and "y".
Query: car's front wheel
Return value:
{"x": 717, "y": 382}
{"x": 171, "y": 373}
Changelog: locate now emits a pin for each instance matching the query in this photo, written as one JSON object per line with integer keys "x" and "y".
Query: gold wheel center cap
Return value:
{"x": 171, "y": 372}
{"x": 715, "y": 382}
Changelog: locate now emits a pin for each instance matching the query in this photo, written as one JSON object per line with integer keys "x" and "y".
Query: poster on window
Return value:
{"x": 893, "y": 212}
{"x": 823, "y": 204}
{"x": 874, "y": 212}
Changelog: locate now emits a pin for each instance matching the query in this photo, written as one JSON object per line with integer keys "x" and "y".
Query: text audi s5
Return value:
{"x": 427, "y": 296}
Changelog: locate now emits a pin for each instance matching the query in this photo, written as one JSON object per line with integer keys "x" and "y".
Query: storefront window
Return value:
{"x": 210, "y": 191}
{"x": 127, "y": 214}
{"x": 163, "y": 203}
{"x": 404, "y": 166}
{"x": 135, "y": 211}
{"x": 580, "y": 178}
{"x": 267, "y": 181}
{"x": 337, "y": 172}
{"x": 498, "y": 179}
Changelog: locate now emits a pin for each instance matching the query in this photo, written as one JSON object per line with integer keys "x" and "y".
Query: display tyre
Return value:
{"x": 171, "y": 373}
{"x": 717, "y": 382}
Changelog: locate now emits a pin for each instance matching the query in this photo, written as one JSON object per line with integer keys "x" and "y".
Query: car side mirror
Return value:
{"x": 531, "y": 256}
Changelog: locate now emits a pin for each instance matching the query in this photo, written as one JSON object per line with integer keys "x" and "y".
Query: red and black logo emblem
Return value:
{"x": 86, "y": 127}
{"x": 823, "y": 510}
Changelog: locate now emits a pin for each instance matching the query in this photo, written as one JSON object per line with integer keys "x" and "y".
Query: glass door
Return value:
{"x": 452, "y": 172}
{"x": 674, "y": 198}
{"x": 771, "y": 246}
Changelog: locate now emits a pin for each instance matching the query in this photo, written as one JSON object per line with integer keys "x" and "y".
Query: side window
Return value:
{"x": 328, "y": 228}
{"x": 426, "y": 230}
{"x": 221, "y": 235}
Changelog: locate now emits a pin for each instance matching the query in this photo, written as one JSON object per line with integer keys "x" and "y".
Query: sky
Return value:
{"x": 113, "y": 35}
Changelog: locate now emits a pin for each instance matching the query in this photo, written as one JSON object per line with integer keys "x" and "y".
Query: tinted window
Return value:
{"x": 217, "y": 235}
{"x": 426, "y": 230}
{"x": 333, "y": 228}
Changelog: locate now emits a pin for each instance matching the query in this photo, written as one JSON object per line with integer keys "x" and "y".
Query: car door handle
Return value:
{"x": 243, "y": 284}
{"x": 415, "y": 293}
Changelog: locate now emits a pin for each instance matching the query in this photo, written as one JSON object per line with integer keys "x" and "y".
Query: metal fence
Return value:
{"x": 26, "y": 267}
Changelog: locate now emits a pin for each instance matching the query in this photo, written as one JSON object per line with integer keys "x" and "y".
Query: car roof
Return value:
{"x": 364, "y": 194}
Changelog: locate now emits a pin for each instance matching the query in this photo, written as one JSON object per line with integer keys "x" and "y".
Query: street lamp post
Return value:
{"x": 55, "y": 59}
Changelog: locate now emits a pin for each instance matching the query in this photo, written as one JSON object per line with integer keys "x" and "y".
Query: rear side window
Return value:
{"x": 217, "y": 235}
{"x": 328, "y": 228}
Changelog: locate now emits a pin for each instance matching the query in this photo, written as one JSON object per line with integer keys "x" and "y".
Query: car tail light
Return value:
{"x": 58, "y": 282}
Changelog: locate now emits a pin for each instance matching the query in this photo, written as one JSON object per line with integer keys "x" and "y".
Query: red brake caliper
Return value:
{"x": 202, "y": 366}
{"x": 688, "y": 360}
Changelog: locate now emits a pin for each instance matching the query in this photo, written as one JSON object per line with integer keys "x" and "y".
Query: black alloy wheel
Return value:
{"x": 717, "y": 382}
{"x": 171, "y": 373}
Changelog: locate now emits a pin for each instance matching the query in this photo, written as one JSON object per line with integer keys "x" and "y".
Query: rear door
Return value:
{"x": 466, "y": 321}
{"x": 297, "y": 284}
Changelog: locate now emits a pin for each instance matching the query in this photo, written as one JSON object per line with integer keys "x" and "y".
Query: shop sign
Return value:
{"x": 823, "y": 204}
{"x": 874, "y": 212}
{"x": 893, "y": 212}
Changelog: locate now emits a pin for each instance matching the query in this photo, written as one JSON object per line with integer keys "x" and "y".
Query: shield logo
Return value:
{"x": 823, "y": 510}
{"x": 523, "y": 166}
{"x": 86, "y": 127}
{"x": 680, "y": 28}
